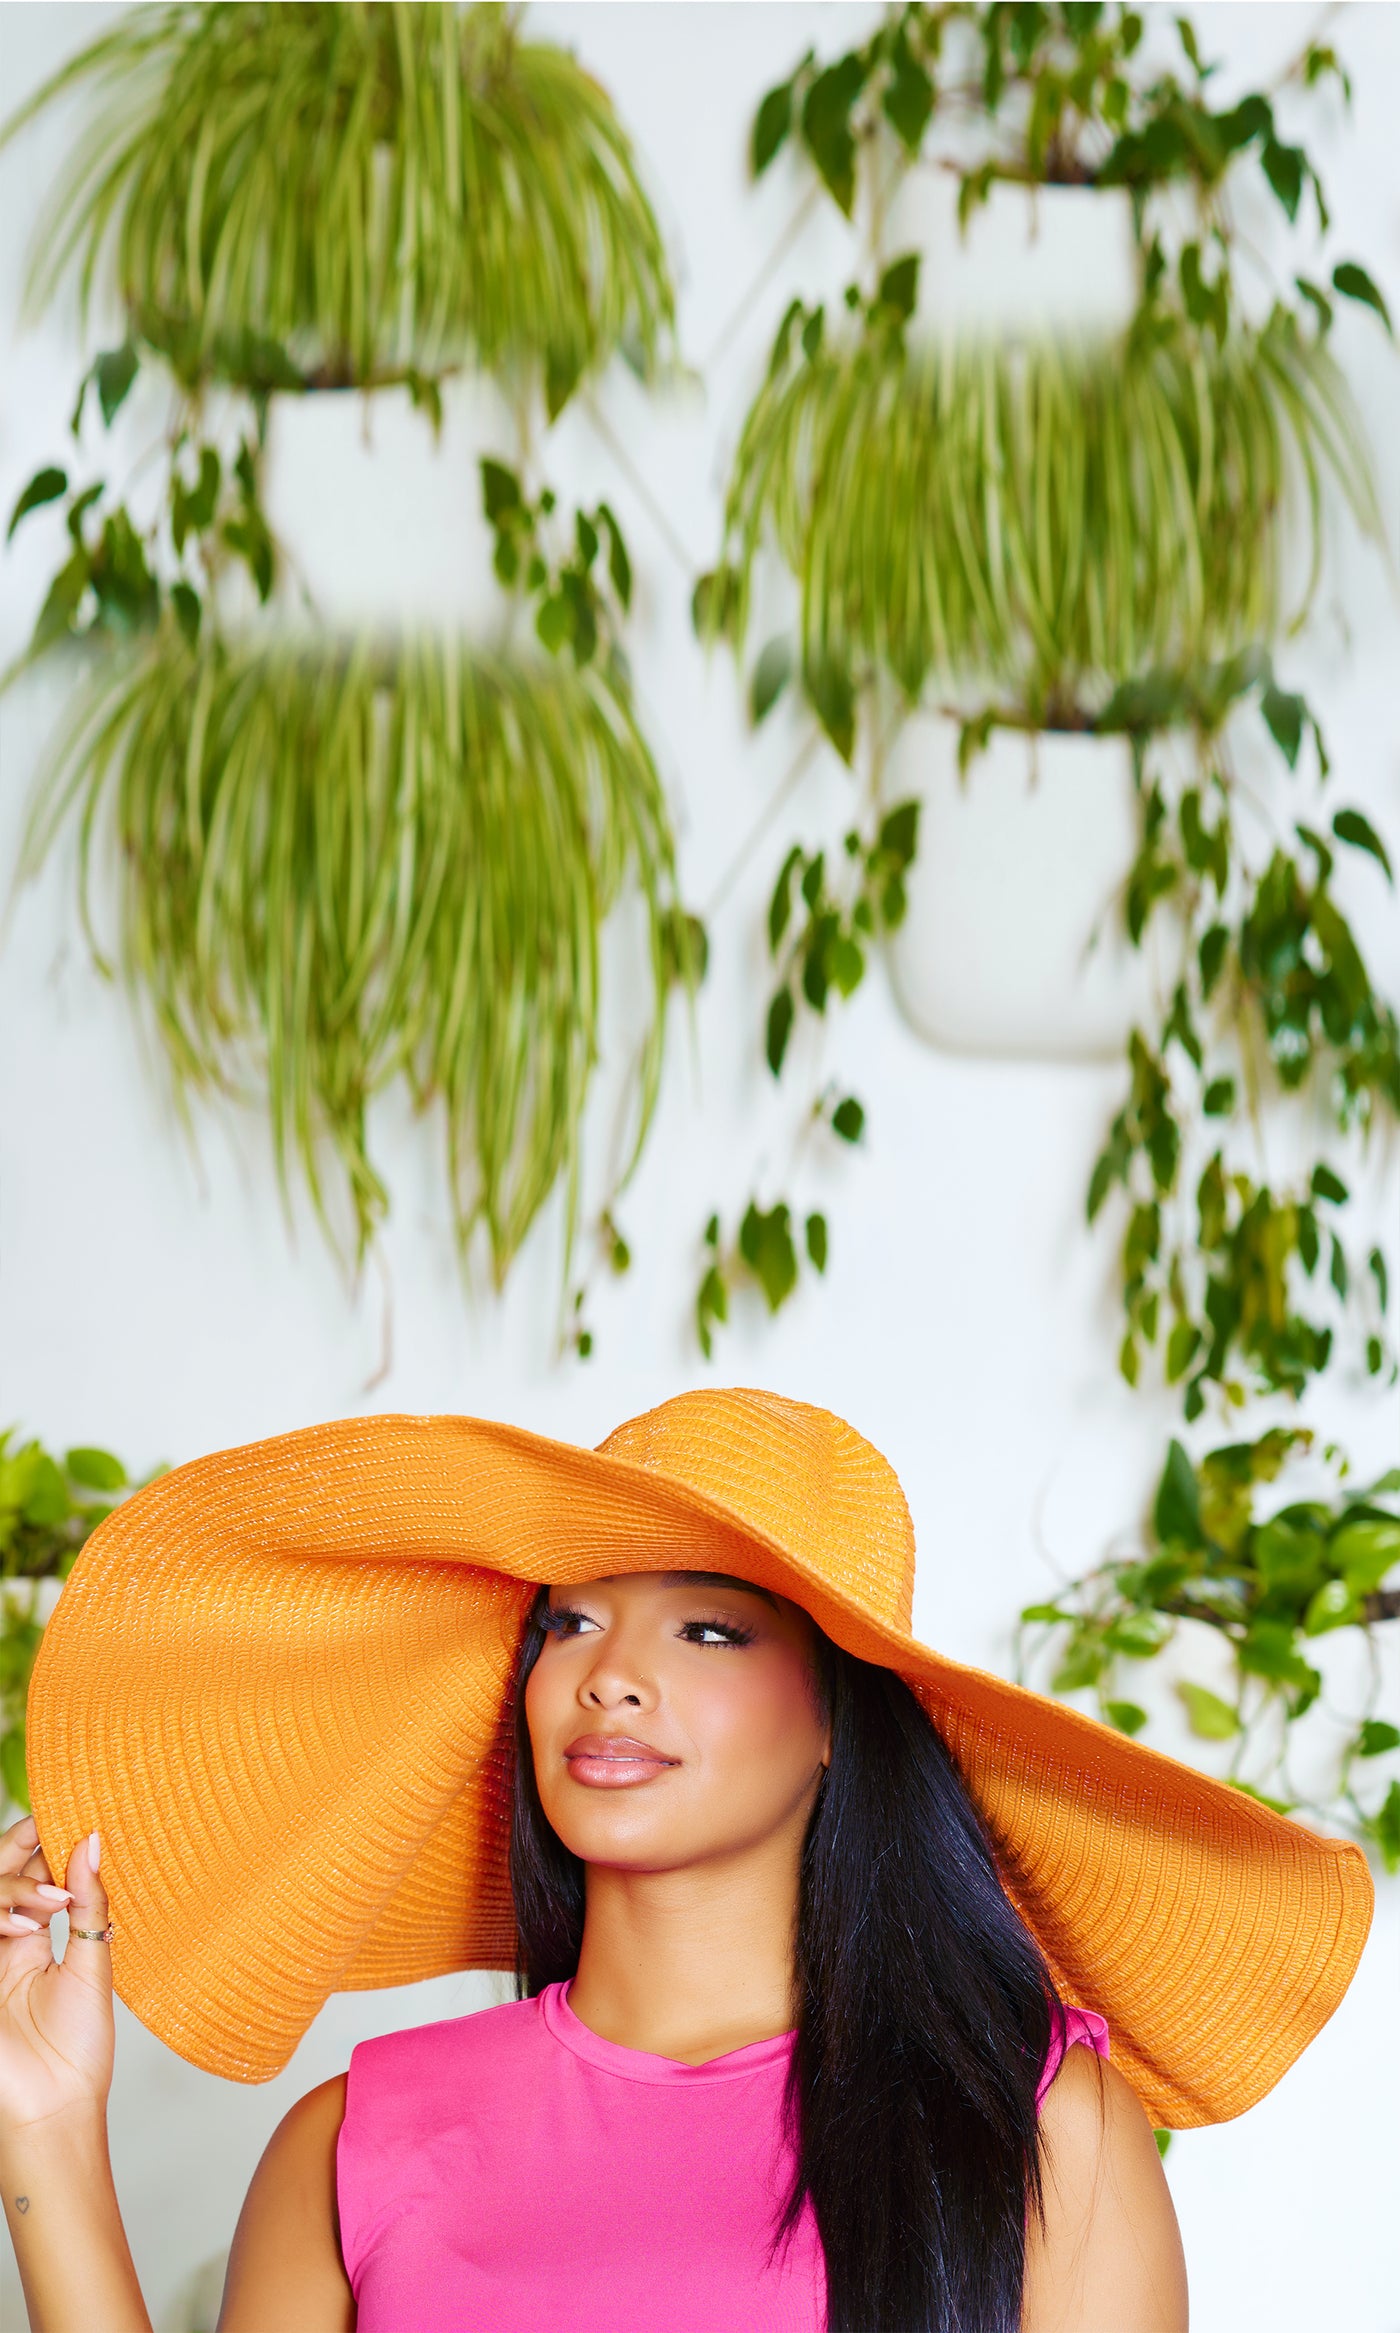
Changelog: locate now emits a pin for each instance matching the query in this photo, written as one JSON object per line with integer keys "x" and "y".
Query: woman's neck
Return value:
{"x": 694, "y": 1963}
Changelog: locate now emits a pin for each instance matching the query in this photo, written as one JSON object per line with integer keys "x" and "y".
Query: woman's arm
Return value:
{"x": 1108, "y": 2258}
{"x": 285, "y": 2273}
{"x": 55, "y": 2072}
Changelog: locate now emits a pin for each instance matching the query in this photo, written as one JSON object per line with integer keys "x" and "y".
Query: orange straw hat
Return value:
{"x": 278, "y": 1680}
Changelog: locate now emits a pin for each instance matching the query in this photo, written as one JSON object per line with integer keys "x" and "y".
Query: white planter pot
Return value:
{"x": 1059, "y": 260}
{"x": 1013, "y": 943}
{"x": 379, "y": 523}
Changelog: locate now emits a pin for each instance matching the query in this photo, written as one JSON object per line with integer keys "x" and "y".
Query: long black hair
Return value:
{"x": 924, "y": 2013}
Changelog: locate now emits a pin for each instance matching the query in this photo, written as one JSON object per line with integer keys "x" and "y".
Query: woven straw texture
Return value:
{"x": 277, "y": 1681}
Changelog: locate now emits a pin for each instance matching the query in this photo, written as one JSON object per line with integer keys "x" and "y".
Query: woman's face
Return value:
{"x": 673, "y": 1718}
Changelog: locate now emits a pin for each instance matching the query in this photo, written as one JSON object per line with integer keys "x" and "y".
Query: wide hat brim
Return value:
{"x": 277, "y": 1681}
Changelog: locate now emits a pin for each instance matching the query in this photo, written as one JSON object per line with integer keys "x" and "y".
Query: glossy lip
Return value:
{"x": 614, "y": 1761}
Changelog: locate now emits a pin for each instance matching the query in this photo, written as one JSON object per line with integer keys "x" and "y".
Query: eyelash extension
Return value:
{"x": 730, "y": 1630}
{"x": 555, "y": 1620}
{"x": 555, "y": 1616}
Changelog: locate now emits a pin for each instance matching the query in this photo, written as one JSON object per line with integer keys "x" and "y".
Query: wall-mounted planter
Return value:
{"x": 1013, "y": 943}
{"x": 1030, "y": 261}
{"x": 378, "y": 521}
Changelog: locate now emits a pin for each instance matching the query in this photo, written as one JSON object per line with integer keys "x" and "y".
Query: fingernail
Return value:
{"x": 21, "y": 1920}
{"x": 55, "y": 1895}
{"x": 94, "y": 1850}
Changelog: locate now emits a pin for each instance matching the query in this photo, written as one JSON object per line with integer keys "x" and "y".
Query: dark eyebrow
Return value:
{"x": 718, "y": 1580}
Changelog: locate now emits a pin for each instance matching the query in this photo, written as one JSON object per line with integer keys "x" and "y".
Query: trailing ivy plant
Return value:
{"x": 822, "y": 925}
{"x": 119, "y": 576}
{"x": 48, "y": 1507}
{"x": 1229, "y": 1276}
{"x": 1270, "y": 1582}
{"x": 325, "y": 196}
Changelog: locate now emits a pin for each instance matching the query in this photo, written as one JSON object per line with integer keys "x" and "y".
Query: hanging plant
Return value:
{"x": 1271, "y": 1584}
{"x": 356, "y": 858}
{"x": 1031, "y": 527}
{"x": 1038, "y": 522}
{"x": 344, "y": 864}
{"x": 1042, "y": 517}
{"x": 48, "y": 1506}
{"x": 325, "y": 196}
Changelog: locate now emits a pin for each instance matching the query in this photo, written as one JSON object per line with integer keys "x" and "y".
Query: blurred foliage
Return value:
{"x": 326, "y": 196}
{"x": 48, "y": 1506}
{"x": 822, "y": 924}
{"x": 1270, "y": 1584}
{"x": 1273, "y": 1006}
{"x": 345, "y": 864}
{"x": 1036, "y": 524}
{"x": 357, "y": 861}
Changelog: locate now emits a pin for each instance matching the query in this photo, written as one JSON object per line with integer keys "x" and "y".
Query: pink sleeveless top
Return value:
{"x": 511, "y": 2172}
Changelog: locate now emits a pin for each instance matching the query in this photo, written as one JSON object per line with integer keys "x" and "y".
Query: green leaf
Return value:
{"x": 826, "y": 125}
{"x": 1284, "y": 167}
{"x": 711, "y": 1305}
{"x": 833, "y": 701}
{"x": 908, "y": 97}
{"x": 848, "y": 1119}
{"x": 114, "y": 373}
{"x": 772, "y": 122}
{"x": 1365, "y": 1553}
{"x": 686, "y": 948}
{"x": 1326, "y": 1185}
{"x": 1164, "y": 2140}
{"x": 1376, "y": 1737}
{"x": 1218, "y": 1100}
{"x": 1334, "y": 1606}
{"x": 899, "y": 286}
{"x": 1284, "y": 716}
{"x": 1383, "y": 1828}
{"x": 771, "y": 676}
{"x": 619, "y": 565}
{"x": 502, "y": 502}
{"x": 184, "y": 599}
{"x": 1138, "y": 1636}
{"x": 1268, "y": 1649}
{"x": 781, "y": 1013}
{"x": 1349, "y": 826}
{"x": 766, "y": 1245}
{"x": 899, "y": 833}
{"x": 44, "y": 486}
{"x": 1355, "y": 284}
{"x": 96, "y": 1470}
{"x": 780, "y": 905}
{"x": 12, "y": 1770}
{"x": 1182, "y": 1347}
{"x": 1210, "y": 1718}
{"x": 1176, "y": 1512}
{"x": 56, "y": 615}
{"x": 816, "y": 1248}
{"x": 1126, "y": 1716}
{"x": 1049, "y": 1612}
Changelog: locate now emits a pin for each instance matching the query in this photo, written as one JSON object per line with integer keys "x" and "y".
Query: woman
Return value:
{"x": 786, "y": 2054}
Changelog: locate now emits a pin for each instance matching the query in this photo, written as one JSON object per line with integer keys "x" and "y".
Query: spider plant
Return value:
{"x": 344, "y": 864}
{"x": 1045, "y": 521}
{"x": 345, "y": 193}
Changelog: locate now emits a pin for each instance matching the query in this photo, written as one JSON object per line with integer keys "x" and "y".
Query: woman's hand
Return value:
{"x": 56, "y": 2029}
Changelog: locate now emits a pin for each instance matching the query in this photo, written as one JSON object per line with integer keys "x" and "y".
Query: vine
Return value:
{"x": 1270, "y": 1585}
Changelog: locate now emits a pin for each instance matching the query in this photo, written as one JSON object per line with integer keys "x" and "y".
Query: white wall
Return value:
{"x": 155, "y": 1300}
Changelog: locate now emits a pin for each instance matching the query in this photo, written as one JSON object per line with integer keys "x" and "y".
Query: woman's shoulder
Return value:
{"x": 452, "y": 2045}
{"x": 1108, "y": 2251}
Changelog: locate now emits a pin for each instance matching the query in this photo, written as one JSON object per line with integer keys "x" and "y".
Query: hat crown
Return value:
{"x": 797, "y": 1475}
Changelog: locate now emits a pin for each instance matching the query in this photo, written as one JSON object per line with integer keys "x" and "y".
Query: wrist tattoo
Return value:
{"x": 21, "y": 2203}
